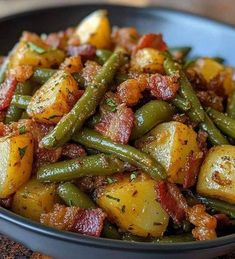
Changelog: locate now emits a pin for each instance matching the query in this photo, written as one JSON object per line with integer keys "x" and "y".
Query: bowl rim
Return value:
{"x": 100, "y": 242}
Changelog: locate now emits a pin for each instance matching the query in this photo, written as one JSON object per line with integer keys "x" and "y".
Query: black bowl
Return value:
{"x": 206, "y": 36}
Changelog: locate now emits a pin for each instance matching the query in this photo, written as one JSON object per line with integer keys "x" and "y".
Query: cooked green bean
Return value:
{"x": 120, "y": 78}
{"x": 21, "y": 101}
{"x": 181, "y": 103}
{"x": 223, "y": 122}
{"x": 85, "y": 106}
{"x": 24, "y": 115}
{"x": 14, "y": 113}
{"x": 103, "y": 55}
{"x": 41, "y": 75}
{"x": 231, "y": 105}
{"x": 84, "y": 166}
{"x": 93, "y": 139}
{"x": 149, "y": 115}
{"x": 196, "y": 112}
{"x": 214, "y": 135}
{"x": 72, "y": 196}
{"x": 180, "y": 52}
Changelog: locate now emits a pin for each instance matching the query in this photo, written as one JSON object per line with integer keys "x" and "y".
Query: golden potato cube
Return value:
{"x": 217, "y": 174}
{"x": 53, "y": 99}
{"x": 95, "y": 29}
{"x": 148, "y": 60}
{"x": 15, "y": 162}
{"x": 132, "y": 205}
{"x": 170, "y": 143}
{"x": 33, "y": 199}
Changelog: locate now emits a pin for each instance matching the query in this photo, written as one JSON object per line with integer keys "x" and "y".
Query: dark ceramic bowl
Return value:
{"x": 206, "y": 36}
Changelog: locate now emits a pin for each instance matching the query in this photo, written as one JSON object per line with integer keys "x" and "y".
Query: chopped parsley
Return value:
{"x": 22, "y": 151}
{"x": 113, "y": 198}
{"x": 35, "y": 48}
{"x": 70, "y": 203}
{"x": 111, "y": 180}
{"x": 133, "y": 176}
{"x": 22, "y": 129}
{"x": 111, "y": 103}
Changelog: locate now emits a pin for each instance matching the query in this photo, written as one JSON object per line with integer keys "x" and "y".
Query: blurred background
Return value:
{"x": 223, "y": 10}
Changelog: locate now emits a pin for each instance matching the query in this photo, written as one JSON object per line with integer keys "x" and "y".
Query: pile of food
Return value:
{"x": 107, "y": 132}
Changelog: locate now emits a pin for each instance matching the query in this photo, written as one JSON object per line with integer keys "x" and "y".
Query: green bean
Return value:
{"x": 41, "y": 75}
{"x": 180, "y": 52}
{"x": 84, "y": 166}
{"x": 214, "y": 135}
{"x": 14, "y": 113}
{"x": 149, "y": 115}
{"x": 103, "y": 55}
{"x": 21, "y": 101}
{"x": 72, "y": 196}
{"x": 181, "y": 103}
{"x": 85, "y": 106}
{"x": 93, "y": 139}
{"x": 196, "y": 112}
{"x": 186, "y": 237}
{"x": 120, "y": 78}
{"x": 231, "y": 105}
{"x": 223, "y": 122}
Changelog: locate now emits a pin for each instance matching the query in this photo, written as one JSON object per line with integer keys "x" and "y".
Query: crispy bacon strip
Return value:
{"x": 205, "y": 224}
{"x": 163, "y": 87}
{"x": 73, "y": 151}
{"x": 84, "y": 221}
{"x": 90, "y": 70}
{"x": 85, "y": 51}
{"x": 172, "y": 200}
{"x": 7, "y": 89}
{"x": 191, "y": 168}
{"x": 117, "y": 126}
{"x": 21, "y": 73}
{"x": 151, "y": 40}
{"x": 72, "y": 64}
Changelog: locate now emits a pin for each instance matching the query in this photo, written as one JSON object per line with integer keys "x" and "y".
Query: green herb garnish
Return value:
{"x": 113, "y": 198}
{"x": 110, "y": 102}
{"x": 22, "y": 129}
{"x": 22, "y": 151}
{"x": 35, "y": 48}
{"x": 133, "y": 176}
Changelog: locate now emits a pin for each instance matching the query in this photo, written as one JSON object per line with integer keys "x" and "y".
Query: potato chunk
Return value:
{"x": 148, "y": 60}
{"x": 170, "y": 143}
{"x": 95, "y": 30}
{"x": 217, "y": 174}
{"x": 54, "y": 99}
{"x": 31, "y": 50}
{"x": 132, "y": 205}
{"x": 33, "y": 199}
{"x": 15, "y": 162}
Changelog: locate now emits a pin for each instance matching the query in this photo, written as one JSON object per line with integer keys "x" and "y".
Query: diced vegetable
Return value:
{"x": 217, "y": 174}
{"x": 33, "y": 199}
{"x": 131, "y": 202}
{"x": 95, "y": 29}
{"x": 15, "y": 162}
{"x": 170, "y": 144}
{"x": 54, "y": 99}
{"x": 148, "y": 60}
{"x": 31, "y": 50}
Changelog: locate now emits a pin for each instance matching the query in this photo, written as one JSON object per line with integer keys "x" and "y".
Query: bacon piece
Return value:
{"x": 205, "y": 224}
{"x": 73, "y": 151}
{"x": 2, "y": 116}
{"x": 6, "y": 202}
{"x": 172, "y": 200}
{"x": 21, "y": 73}
{"x": 85, "y": 50}
{"x": 163, "y": 87}
{"x": 222, "y": 220}
{"x": 84, "y": 221}
{"x": 72, "y": 64}
{"x": 191, "y": 168}
{"x": 88, "y": 184}
{"x": 151, "y": 40}
{"x": 89, "y": 222}
{"x": 210, "y": 99}
{"x": 201, "y": 140}
{"x": 130, "y": 91}
{"x": 43, "y": 156}
{"x": 7, "y": 89}
{"x": 197, "y": 80}
{"x": 117, "y": 126}
{"x": 126, "y": 37}
{"x": 4, "y": 129}
{"x": 90, "y": 70}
